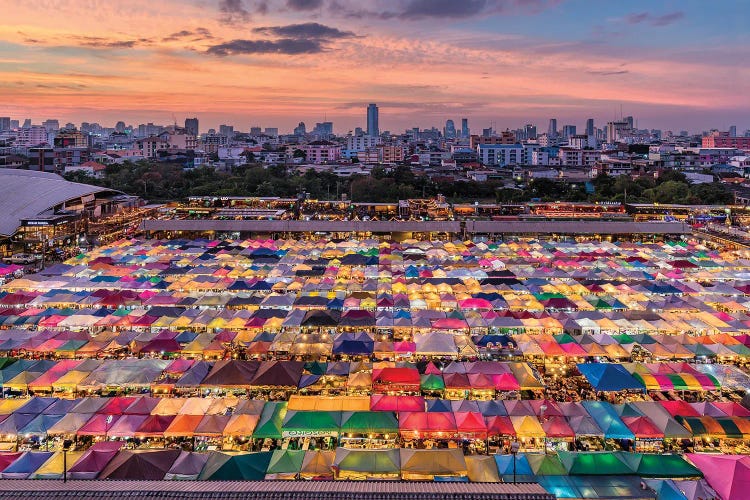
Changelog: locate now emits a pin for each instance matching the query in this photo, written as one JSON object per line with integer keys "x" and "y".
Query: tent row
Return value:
{"x": 108, "y": 461}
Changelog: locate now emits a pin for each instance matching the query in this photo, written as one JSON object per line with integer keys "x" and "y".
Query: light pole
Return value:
{"x": 514, "y": 446}
{"x": 65, "y": 447}
{"x": 542, "y": 409}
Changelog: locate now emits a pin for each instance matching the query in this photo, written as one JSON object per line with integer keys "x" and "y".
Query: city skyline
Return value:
{"x": 275, "y": 63}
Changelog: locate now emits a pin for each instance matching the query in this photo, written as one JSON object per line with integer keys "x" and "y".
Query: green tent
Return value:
{"x": 431, "y": 382}
{"x": 663, "y": 466}
{"x": 286, "y": 462}
{"x": 368, "y": 461}
{"x": 311, "y": 423}
{"x": 236, "y": 467}
{"x": 545, "y": 465}
{"x": 269, "y": 424}
{"x": 369, "y": 422}
{"x": 595, "y": 463}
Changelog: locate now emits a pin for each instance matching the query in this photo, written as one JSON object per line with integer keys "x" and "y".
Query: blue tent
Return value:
{"x": 26, "y": 464}
{"x": 523, "y": 469}
{"x": 609, "y": 377}
{"x": 607, "y": 419}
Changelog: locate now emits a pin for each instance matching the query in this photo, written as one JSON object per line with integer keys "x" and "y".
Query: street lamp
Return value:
{"x": 65, "y": 447}
{"x": 514, "y": 446}
{"x": 542, "y": 409}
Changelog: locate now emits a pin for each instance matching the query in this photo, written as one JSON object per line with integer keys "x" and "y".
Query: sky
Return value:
{"x": 671, "y": 64}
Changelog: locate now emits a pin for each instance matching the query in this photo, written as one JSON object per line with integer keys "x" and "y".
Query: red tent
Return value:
{"x": 500, "y": 426}
{"x": 431, "y": 425}
{"x": 470, "y": 424}
{"x": 557, "y": 427}
{"x": 643, "y": 428}
{"x": 384, "y": 402}
{"x": 395, "y": 379}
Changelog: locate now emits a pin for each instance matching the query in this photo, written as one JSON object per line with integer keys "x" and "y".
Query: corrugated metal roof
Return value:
{"x": 25, "y": 194}
{"x": 269, "y": 489}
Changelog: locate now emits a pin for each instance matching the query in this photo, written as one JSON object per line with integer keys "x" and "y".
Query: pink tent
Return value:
{"x": 729, "y": 475}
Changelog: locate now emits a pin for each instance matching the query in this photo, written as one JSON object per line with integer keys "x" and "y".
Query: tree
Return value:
{"x": 298, "y": 153}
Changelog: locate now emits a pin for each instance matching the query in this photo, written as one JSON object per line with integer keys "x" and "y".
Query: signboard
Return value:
{"x": 37, "y": 223}
{"x": 88, "y": 198}
{"x": 296, "y": 434}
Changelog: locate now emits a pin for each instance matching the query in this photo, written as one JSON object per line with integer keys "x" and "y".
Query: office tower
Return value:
{"x": 4, "y": 123}
{"x": 51, "y": 125}
{"x": 629, "y": 120}
{"x": 450, "y": 130}
{"x": 487, "y": 132}
{"x": 323, "y": 129}
{"x": 373, "y": 128}
{"x": 569, "y": 130}
{"x": 70, "y": 126}
{"x": 529, "y": 131}
{"x": 191, "y": 124}
{"x": 590, "y": 127}
{"x": 465, "y": 132}
{"x": 359, "y": 131}
{"x": 300, "y": 129}
{"x": 226, "y": 130}
{"x": 256, "y": 130}
{"x": 14, "y": 124}
{"x": 552, "y": 129}
{"x": 27, "y": 123}
{"x": 733, "y": 131}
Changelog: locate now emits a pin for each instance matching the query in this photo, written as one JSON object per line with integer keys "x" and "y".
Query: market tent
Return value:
{"x": 663, "y": 465}
{"x": 236, "y": 466}
{"x": 607, "y": 420}
{"x": 285, "y": 464}
{"x": 25, "y": 465}
{"x": 53, "y": 467}
{"x": 94, "y": 460}
{"x": 426, "y": 464}
{"x": 369, "y": 422}
{"x": 187, "y": 466}
{"x": 507, "y": 463}
{"x": 595, "y": 487}
{"x": 729, "y": 475}
{"x": 271, "y": 418}
{"x": 140, "y": 464}
{"x": 351, "y": 463}
{"x": 609, "y": 377}
{"x": 311, "y": 423}
{"x": 543, "y": 464}
{"x": 594, "y": 463}
{"x": 481, "y": 469}
{"x": 317, "y": 464}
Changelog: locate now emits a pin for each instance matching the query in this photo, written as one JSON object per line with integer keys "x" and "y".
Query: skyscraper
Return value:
{"x": 590, "y": 127}
{"x": 373, "y": 128}
{"x": 552, "y": 129}
{"x": 465, "y": 133}
{"x": 733, "y": 131}
{"x": 191, "y": 124}
{"x": 529, "y": 131}
{"x": 450, "y": 130}
{"x": 569, "y": 130}
{"x": 4, "y": 123}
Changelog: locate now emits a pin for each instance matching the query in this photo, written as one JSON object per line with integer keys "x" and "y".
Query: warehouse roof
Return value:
{"x": 25, "y": 194}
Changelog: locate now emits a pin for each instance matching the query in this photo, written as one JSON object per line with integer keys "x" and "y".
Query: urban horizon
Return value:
{"x": 275, "y": 63}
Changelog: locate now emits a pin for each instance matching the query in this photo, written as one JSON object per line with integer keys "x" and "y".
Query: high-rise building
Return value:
{"x": 629, "y": 120}
{"x": 27, "y": 123}
{"x": 51, "y": 125}
{"x": 4, "y": 123}
{"x": 256, "y": 130}
{"x": 226, "y": 130}
{"x": 14, "y": 124}
{"x": 271, "y": 131}
{"x": 568, "y": 130}
{"x": 733, "y": 131}
{"x": 450, "y": 130}
{"x": 300, "y": 129}
{"x": 373, "y": 127}
{"x": 529, "y": 131}
{"x": 590, "y": 127}
{"x": 465, "y": 132}
{"x": 552, "y": 129}
{"x": 191, "y": 124}
{"x": 323, "y": 129}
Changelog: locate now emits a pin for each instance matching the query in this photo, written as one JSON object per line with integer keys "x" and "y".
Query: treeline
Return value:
{"x": 161, "y": 181}
{"x": 670, "y": 187}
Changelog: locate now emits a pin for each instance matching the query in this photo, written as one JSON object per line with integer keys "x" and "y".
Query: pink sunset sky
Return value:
{"x": 275, "y": 63}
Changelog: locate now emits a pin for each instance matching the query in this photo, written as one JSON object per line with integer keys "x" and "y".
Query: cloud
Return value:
{"x": 304, "y": 4}
{"x": 289, "y": 46}
{"x": 648, "y": 18}
{"x": 98, "y": 42}
{"x": 233, "y": 12}
{"x": 196, "y": 35}
{"x": 417, "y": 10}
{"x": 608, "y": 72}
{"x": 305, "y": 30}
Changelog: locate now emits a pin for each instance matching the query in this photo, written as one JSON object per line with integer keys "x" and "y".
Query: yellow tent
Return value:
{"x": 53, "y": 467}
